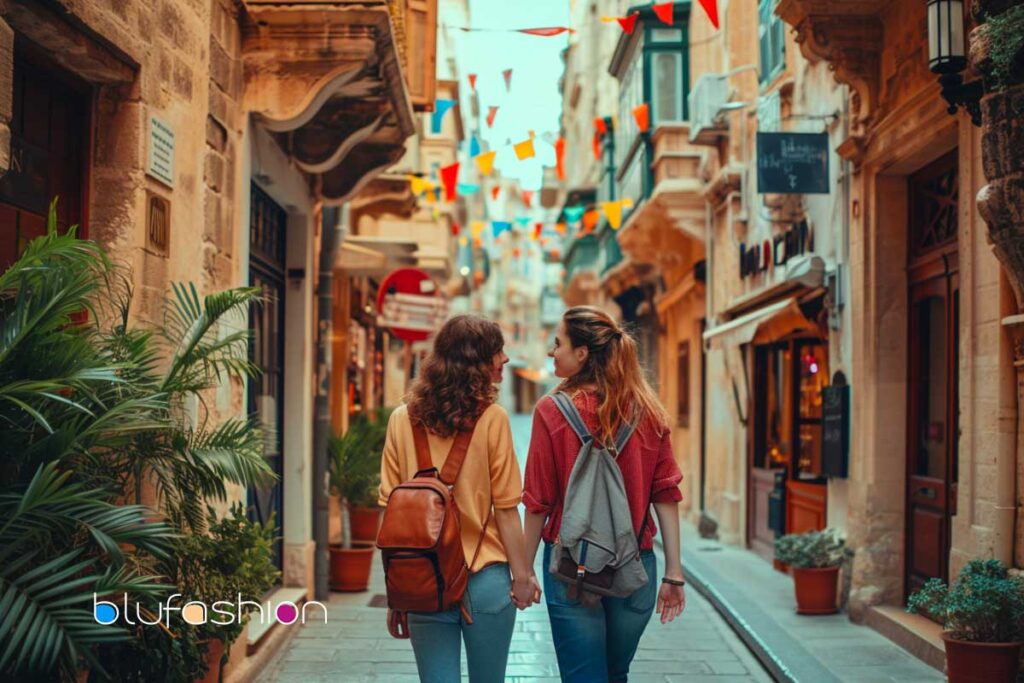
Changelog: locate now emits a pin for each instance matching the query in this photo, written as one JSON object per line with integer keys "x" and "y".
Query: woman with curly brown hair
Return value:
{"x": 455, "y": 392}
{"x": 601, "y": 375}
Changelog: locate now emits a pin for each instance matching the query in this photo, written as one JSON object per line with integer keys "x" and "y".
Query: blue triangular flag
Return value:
{"x": 523, "y": 220}
{"x": 468, "y": 188}
{"x": 441, "y": 108}
{"x": 573, "y": 213}
{"x": 499, "y": 227}
{"x": 474, "y": 146}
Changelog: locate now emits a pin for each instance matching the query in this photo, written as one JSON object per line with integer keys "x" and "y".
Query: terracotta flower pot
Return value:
{"x": 364, "y": 522}
{"x": 350, "y": 569}
{"x": 214, "y": 651}
{"x": 970, "y": 662}
{"x": 816, "y": 590}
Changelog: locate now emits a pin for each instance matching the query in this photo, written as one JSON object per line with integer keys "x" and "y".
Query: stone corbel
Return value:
{"x": 849, "y": 37}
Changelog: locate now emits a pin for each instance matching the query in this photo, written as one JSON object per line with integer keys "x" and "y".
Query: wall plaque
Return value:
{"x": 161, "y": 151}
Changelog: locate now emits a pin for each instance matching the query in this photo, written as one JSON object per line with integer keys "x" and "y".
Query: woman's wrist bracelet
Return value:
{"x": 673, "y": 582}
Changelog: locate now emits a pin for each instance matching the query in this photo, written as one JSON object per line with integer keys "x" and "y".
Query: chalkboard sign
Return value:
{"x": 792, "y": 163}
{"x": 835, "y": 426}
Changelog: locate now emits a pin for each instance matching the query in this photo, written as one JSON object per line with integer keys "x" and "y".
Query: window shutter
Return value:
{"x": 421, "y": 52}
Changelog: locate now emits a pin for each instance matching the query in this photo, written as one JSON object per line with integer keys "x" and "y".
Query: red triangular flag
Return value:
{"x": 546, "y": 31}
{"x": 507, "y": 73}
{"x": 600, "y": 126}
{"x": 597, "y": 146}
{"x": 456, "y": 229}
{"x": 537, "y": 228}
{"x": 449, "y": 177}
{"x": 528, "y": 198}
{"x": 494, "y": 191}
{"x": 664, "y": 11}
{"x": 491, "y": 113}
{"x": 711, "y": 8}
{"x": 642, "y": 114}
{"x": 560, "y": 158}
{"x": 472, "y": 81}
{"x": 629, "y": 23}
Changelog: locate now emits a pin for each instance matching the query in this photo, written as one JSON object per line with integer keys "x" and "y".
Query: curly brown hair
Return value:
{"x": 455, "y": 385}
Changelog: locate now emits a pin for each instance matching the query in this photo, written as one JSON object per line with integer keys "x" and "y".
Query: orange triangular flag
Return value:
{"x": 642, "y": 114}
{"x": 664, "y": 11}
{"x": 560, "y": 158}
{"x": 472, "y": 81}
{"x": 560, "y": 228}
{"x": 507, "y": 73}
{"x": 495, "y": 191}
{"x": 600, "y": 125}
{"x": 711, "y": 8}
{"x": 491, "y": 113}
{"x": 524, "y": 149}
{"x": 590, "y": 220}
{"x": 629, "y": 23}
{"x": 485, "y": 162}
{"x": 528, "y": 198}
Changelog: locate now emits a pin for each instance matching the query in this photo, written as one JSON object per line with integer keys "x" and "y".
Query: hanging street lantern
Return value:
{"x": 947, "y": 57}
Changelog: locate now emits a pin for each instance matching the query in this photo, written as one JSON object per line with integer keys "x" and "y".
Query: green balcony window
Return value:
{"x": 773, "y": 42}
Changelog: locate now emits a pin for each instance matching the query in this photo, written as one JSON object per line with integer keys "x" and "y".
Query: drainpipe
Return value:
{"x": 332, "y": 226}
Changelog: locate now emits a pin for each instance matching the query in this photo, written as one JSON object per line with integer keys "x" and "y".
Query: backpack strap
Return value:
{"x": 423, "y": 460}
{"x": 457, "y": 455}
{"x": 572, "y": 415}
{"x": 625, "y": 432}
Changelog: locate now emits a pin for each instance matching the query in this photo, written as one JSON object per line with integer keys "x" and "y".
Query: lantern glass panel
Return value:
{"x": 946, "y": 51}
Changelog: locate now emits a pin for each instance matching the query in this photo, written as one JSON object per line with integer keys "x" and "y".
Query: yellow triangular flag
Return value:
{"x": 524, "y": 149}
{"x": 613, "y": 211}
{"x": 477, "y": 228}
{"x": 419, "y": 185}
{"x": 608, "y": 20}
{"x": 485, "y": 162}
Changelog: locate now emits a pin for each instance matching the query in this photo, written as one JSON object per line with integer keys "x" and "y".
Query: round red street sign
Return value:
{"x": 409, "y": 305}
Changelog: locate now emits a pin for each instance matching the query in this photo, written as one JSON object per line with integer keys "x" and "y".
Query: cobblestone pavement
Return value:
{"x": 354, "y": 645}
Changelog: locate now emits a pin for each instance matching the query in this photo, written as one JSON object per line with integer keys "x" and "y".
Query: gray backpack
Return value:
{"x": 597, "y": 550}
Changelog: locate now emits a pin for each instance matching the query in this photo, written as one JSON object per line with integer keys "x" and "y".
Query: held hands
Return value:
{"x": 525, "y": 591}
{"x": 671, "y": 600}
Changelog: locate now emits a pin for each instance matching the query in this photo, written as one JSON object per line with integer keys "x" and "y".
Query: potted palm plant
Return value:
{"x": 983, "y": 617}
{"x": 814, "y": 558}
{"x": 354, "y": 460}
{"x": 364, "y": 512}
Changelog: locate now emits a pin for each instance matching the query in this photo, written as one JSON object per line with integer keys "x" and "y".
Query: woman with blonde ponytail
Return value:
{"x": 600, "y": 371}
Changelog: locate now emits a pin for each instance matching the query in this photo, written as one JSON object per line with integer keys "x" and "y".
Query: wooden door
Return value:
{"x": 933, "y": 342}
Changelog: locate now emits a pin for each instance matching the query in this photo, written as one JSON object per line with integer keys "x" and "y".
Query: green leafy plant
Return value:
{"x": 985, "y": 604}
{"x": 1005, "y": 35}
{"x": 354, "y": 463}
{"x": 811, "y": 550}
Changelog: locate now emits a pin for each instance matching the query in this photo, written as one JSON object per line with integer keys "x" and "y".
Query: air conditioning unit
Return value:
{"x": 709, "y": 95}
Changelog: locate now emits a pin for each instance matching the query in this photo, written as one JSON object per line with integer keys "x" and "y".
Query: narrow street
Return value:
{"x": 354, "y": 644}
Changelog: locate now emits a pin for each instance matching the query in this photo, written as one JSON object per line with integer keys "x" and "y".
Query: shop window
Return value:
{"x": 773, "y": 41}
{"x": 667, "y": 104}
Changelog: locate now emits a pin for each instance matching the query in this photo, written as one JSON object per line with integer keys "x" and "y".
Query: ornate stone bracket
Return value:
{"x": 848, "y": 35}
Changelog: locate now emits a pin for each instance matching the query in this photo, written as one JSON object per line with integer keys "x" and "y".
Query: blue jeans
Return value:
{"x": 437, "y": 636}
{"x": 596, "y": 645}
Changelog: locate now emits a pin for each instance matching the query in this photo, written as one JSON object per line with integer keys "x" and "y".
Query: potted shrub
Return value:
{"x": 363, "y": 511}
{"x": 814, "y": 559}
{"x": 983, "y": 617}
{"x": 354, "y": 459}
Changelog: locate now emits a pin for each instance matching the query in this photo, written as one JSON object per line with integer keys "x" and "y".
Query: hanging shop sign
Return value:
{"x": 835, "y": 425}
{"x": 409, "y": 304}
{"x": 792, "y": 163}
{"x": 772, "y": 253}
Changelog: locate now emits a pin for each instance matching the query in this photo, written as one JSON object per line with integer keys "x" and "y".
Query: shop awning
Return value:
{"x": 371, "y": 256}
{"x": 773, "y": 322}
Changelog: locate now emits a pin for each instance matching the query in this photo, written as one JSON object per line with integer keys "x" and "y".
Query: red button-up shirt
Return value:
{"x": 649, "y": 470}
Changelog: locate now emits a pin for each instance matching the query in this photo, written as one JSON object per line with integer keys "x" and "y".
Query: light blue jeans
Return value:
{"x": 597, "y": 644}
{"x": 437, "y": 636}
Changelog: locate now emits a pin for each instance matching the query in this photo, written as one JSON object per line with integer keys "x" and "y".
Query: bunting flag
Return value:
{"x": 463, "y": 241}
{"x": 560, "y": 228}
{"x": 664, "y": 12}
{"x": 546, "y": 31}
{"x": 528, "y": 198}
{"x": 441, "y": 108}
{"x": 507, "y": 73}
{"x": 556, "y": 254}
{"x": 711, "y": 9}
{"x": 467, "y": 188}
{"x": 476, "y": 228}
{"x": 560, "y": 158}
{"x": 608, "y": 20}
{"x": 524, "y": 149}
{"x": 485, "y": 162}
{"x": 522, "y": 220}
{"x": 600, "y": 125}
{"x": 472, "y": 81}
{"x": 613, "y": 212}
{"x": 431, "y": 196}
{"x": 573, "y": 213}
{"x": 491, "y": 113}
{"x": 516, "y": 253}
{"x": 590, "y": 219}
{"x": 498, "y": 227}
{"x": 449, "y": 178}
{"x": 478, "y": 242}
{"x": 596, "y": 146}
{"x": 642, "y": 114}
{"x": 537, "y": 227}
{"x": 474, "y": 146}
{"x": 495, "y": 191}
{"x": 456, "y": 229}
{"x": 419, "y": 185}
{"x": 628, "y": 24}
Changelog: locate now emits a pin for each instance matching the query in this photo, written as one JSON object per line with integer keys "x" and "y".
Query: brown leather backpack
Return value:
{"x": 420, "y": 538}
